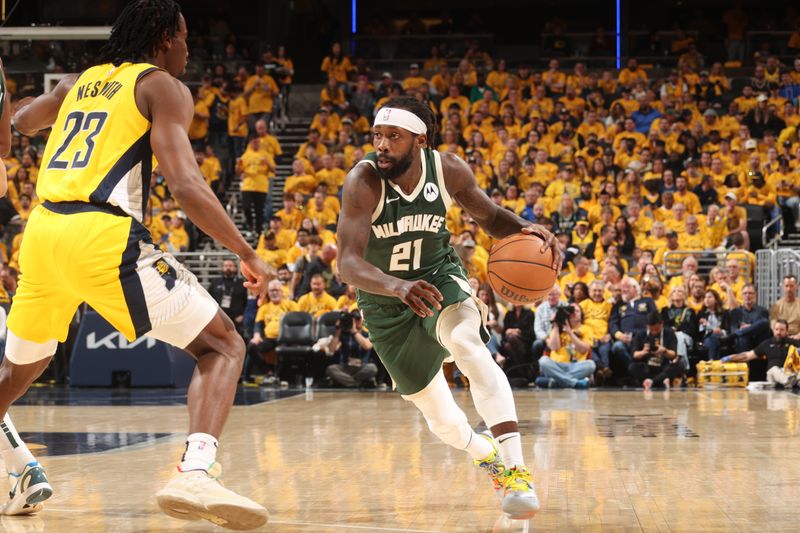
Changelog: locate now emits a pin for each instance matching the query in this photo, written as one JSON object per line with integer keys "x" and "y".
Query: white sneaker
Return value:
{"x": 519, "y": 500}
{"x": 28, "y": 490}
{"x": 196, "y": 494}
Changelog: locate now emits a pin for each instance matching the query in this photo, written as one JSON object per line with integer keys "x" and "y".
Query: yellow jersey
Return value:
{"x": 99, "y": 149}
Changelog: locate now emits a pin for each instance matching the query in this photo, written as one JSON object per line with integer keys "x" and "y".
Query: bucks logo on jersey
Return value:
{"x": 409, "y": 238}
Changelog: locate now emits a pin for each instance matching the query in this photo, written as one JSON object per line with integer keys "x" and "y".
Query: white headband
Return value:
{"x": 393, "y": 116}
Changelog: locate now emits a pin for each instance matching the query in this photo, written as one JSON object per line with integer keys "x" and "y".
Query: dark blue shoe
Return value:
{"x": 545, "y": 383}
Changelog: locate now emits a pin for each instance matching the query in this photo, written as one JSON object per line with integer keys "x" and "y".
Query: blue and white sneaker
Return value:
{"x": 28, "y": 490}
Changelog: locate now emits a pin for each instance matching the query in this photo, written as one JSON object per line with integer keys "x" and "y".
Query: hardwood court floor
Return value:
{"x": 617, "y": 461}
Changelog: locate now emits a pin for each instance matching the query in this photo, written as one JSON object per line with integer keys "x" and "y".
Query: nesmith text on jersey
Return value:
{"x": 407, "y": 224}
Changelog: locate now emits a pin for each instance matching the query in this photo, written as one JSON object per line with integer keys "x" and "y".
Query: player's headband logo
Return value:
{"x": 394, "y": 116}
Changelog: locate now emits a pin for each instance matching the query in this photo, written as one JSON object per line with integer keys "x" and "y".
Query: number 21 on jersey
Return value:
{"x": 77, "y": 122}
{"x": 402, "y": 253}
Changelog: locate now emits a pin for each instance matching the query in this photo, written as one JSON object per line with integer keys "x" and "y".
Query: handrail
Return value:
{"x": 774, "y": 242}
{"x": 707, "y": 260}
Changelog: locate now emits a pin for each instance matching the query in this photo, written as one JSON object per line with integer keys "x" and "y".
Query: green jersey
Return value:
{"x": 409, "y": 237}
{"x": 409, "y": 240}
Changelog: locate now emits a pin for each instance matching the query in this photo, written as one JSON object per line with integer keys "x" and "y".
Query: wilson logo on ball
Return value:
{"x": 511, "y": 295}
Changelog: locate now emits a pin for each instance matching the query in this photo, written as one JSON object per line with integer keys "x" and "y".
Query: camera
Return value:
{"x": 345, "y": 321}
{"x": 561, "y": 317}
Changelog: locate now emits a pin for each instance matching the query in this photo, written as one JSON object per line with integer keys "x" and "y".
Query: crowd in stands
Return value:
{"x": 641, "y": 178}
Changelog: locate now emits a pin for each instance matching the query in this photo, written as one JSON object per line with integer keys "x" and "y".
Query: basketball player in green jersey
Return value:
{"x": 413, "y": 291}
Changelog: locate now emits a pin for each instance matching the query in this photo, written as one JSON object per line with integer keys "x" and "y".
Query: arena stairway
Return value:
{"x": 293, "y": 133}
{"x": 790, "y": 239}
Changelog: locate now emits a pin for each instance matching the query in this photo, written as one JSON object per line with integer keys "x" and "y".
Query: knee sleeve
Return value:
{"x": 459, "y": 332}
{"x": 445, "y": 419}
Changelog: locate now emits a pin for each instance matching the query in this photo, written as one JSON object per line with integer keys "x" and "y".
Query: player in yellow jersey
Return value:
{"x": 86, "y": 242}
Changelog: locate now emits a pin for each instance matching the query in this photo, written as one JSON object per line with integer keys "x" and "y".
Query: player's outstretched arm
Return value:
{"x": 494, "y": 220}
{"x": 36, "y": 114}
{"x": 169, "y": 106}
{"x": 5, "y": 120}
{"x": 360, "y": 196}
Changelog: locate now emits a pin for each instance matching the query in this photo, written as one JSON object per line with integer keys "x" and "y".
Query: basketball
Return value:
{"x": 518, "y": 271}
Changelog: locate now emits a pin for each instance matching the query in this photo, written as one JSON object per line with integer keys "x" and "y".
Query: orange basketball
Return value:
{"x": 518, "y": 271}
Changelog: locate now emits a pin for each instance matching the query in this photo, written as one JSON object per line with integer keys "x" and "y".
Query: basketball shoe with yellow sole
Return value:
{"x": 519, "y": 497}
{"x": 28, "y": 490}
{"x": 198, "y": 494}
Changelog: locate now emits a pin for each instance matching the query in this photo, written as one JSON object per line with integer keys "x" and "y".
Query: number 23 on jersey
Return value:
{"x": 81, "y": 128}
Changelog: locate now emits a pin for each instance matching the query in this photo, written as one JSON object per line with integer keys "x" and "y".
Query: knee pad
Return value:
{"x": 458, "y": 330}
{"x": 445, "y": 419}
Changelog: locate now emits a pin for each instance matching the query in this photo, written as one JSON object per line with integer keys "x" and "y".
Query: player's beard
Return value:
{"x": 399, "y": 166}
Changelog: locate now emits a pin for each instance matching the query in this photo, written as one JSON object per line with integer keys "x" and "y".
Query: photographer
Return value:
{"x": 351, "y": 347}
{"x": 655, "y": 355}
{"x": 570, "y": 343}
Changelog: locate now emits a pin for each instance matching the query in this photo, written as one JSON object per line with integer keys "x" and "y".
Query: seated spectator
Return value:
{"x": 176, "y": 239}
{"x": 516, "y": 345}
{"x": 270, "y": 253}
{"x": 596, "y": 312}
{"x": 570, "y": 342}
{"x": 712, "y": 323}
{"x": 627, "y": 318}
{"x": 749, "y": 322}
{"x": 351, "y": 348}
{"x": 543, "y": 323}
{"x": 579, "y": 292}
{"x": 681, "y": 319}
{"x": 655, "y": 356}
{"x": 317, "y": 302}
{"x": 697, "y": 291}
{"x": 788, "y": 307}
{"x": 688, "y": 267}
{"x": 581, "y": 273}
{"x": 774, "y": 351}
{"x": 267, "y": 327}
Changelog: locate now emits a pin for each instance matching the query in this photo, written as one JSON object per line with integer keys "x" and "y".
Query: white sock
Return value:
{"x": 510, "y": 446}
{"x": 15, "y": 454}
{"x": 200, "y": 454}
{"x": 478, "y": 447}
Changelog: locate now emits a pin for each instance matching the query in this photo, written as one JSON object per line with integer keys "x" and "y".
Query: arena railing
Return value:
{"x": 771, "y": 267}
{"x": 205, "y": 265}
{"x": 706, "y": 260}
{"x": 777, "y": 222}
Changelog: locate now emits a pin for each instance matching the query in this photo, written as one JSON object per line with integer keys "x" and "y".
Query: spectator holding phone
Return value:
{"x": 655, "y": 355}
